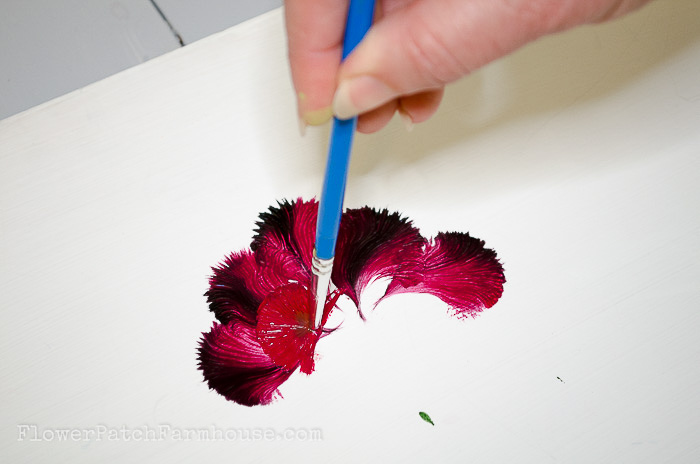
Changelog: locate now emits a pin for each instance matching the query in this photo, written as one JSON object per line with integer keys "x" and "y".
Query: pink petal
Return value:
{"x": 457, "y": 269}
{"x": 372, "y": 244}
{"x": 235, "y": 365}
{"x": 288, "y": 232}
{"x": 286, "y": 326}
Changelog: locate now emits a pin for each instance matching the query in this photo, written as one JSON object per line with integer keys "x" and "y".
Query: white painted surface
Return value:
{"x": 196, "y": 19}
{"x": 49, "y": 48}
{"x": 577, "y": 159}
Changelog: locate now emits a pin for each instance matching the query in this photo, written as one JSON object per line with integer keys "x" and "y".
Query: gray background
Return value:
{"x": 51, "y": 47}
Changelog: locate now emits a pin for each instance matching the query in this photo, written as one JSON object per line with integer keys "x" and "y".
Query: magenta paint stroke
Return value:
{"x": 261, "y": 299}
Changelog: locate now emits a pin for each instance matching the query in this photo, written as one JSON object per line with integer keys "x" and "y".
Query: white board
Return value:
{"x": 576, "y": 158}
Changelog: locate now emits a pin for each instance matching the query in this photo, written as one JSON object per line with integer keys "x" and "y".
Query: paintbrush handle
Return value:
{"x": 330, "y": 208}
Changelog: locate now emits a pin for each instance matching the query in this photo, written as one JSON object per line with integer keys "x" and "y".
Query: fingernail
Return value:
{"x": 318, "y": 117}
{"x": 367, "y": 93}
{"x": 406, "y": 119}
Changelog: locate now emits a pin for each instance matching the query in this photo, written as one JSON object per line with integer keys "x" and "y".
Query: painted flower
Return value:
{"x": 264, "y": 307}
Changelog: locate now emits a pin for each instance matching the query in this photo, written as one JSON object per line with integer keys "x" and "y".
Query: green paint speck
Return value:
{"x": 426, "y": 417}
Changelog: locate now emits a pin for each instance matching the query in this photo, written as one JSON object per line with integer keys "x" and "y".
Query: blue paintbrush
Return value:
{"x": 330, "y": 207}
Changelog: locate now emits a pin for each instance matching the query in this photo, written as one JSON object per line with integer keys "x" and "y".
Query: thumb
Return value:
{"x": 428, "y": 44}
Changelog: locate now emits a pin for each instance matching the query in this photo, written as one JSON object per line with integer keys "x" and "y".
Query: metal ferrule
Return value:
{"x": 320, "y": 281}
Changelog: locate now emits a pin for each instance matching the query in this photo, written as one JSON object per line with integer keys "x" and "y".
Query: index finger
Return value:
{"x": 315, "y": 40}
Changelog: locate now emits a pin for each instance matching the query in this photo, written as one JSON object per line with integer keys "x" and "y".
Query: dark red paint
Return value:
{"x": 286, "y": 326}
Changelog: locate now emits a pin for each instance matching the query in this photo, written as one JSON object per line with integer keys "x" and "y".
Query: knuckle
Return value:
{"x": 432, "y": 54}
{"x": 539, "y": 15}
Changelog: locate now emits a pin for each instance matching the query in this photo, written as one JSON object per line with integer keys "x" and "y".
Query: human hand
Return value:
{"x": 414, "y": 49}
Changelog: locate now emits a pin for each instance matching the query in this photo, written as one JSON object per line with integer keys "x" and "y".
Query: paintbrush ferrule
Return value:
{"x": 320, "y": 282}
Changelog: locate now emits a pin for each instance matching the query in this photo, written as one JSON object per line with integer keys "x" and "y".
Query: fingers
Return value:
{"x": 376, "y": 119}
{"x": 412, "y": 109}
{"x": 314, "y": 30}
{"x": 315, "y": 35}
{"x": 420, "y": 107}
{"x": 428, "y": 44}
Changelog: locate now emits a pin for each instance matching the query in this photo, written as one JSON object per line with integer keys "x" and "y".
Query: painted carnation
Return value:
{"x": 264, "y": 308}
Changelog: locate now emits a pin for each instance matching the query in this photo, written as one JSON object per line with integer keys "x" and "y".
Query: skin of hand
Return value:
{"x": 414, "y": 48}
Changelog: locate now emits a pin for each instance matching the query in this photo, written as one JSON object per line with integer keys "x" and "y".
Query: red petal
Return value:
{"x": 240, "y": 283}
{"x": 230, "y": 295}
{"x": 372, "y": 244}
{"x": 457, "y": 269}
{"x": 235, "y": 365}
{"x": 286, "y": 326}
